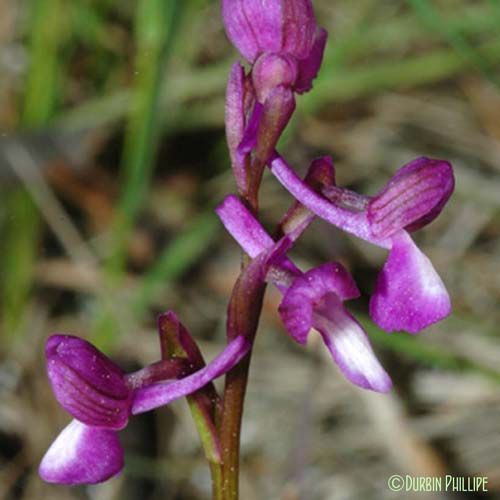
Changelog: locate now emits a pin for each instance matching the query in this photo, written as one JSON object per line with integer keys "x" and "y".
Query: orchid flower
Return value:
{"x": 281, "y": 41}
{"x": 312, "y": 300}
{"x": 101, "y": 398}
{"x": 409, "y": 294}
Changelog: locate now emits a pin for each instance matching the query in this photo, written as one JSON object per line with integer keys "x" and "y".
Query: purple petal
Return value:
{"x": 86, "y": 383}
{"x": 154, "y": 396}
{"x": 297, "y": 219}
{"x": 349, "y": 345}
{"x": 82, "y": 455}
{"x": 247, "y": 231}
{"x": 299, "y": 27}
{"x": 243, "y": 226}
{"x": 235, "y": 121}
{"x": 353, "y": 222}
{"x": 254, "y": 26}
{"x": 409, "y": 295}
{"x": 309, "y": 67}
{"x": 414, "y": 197}
{"x": 249, "y": 139}
{"x": 297, "y": 307}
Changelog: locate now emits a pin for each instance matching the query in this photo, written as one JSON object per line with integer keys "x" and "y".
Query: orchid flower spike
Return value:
{"x": 409, "y": 294}
{"x": 313, "y": 299}
{"x": 281, "y": 41}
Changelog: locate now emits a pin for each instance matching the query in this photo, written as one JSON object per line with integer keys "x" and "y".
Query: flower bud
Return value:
{"x": 272, "y": 70}
{"x": 258, "y": 26}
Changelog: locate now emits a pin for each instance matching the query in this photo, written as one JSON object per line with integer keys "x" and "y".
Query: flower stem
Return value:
{"x": 244, "y": 312}
{"x": 234, "y": 397}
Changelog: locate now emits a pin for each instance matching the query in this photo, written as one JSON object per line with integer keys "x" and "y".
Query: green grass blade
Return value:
{"x": 153, "y": 31}
{"x": 21, "y": 232}
{"x": 154, "y": 27}
{"x": 429, "y": 14}
{"x": 43, "y": 78}
{"x": 40, "y": 98}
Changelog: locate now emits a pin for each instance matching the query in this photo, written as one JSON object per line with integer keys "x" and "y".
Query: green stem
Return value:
{"x": 234, "y": 396}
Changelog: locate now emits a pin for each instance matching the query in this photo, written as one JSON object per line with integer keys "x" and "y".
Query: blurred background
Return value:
{"x": 112, "y": 159}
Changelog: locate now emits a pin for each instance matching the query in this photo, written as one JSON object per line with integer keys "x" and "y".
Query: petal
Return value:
{"x": 86, "y": 383}
{"x": 353, "y": 222}
{"x": 247, "y": 230}
{"x": 249, "y": 139}
{"x": 299, "y": 27}
{"x": 413, "y": 197}
{"x": 235, "y": 121}
{"x": 88, "y": 362}
{"x": 309, "y": 67}
{"x": 297, "y": 307}
{"x": 349, "y": 345}
{"x": 254, "y": 26}
{"x": 409, "y": 294}
{"x": 82, "y": 455}
{"x": 154, "y": 396}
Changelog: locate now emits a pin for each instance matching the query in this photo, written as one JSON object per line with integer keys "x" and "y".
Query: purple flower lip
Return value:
{"x": 86, "y": 383}
{"x": 82, "y": 455}
{"x": 409, "y": 294}
{"x": 297, "y": 308}
{"x": 413, "y": 198}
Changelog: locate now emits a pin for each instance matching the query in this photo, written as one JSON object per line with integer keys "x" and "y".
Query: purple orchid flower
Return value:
{"x": 409, "y": 295}
{"x": 312, "y": 300}
{"x": 281, "y": 41}
{"x": 101, "y": 397}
